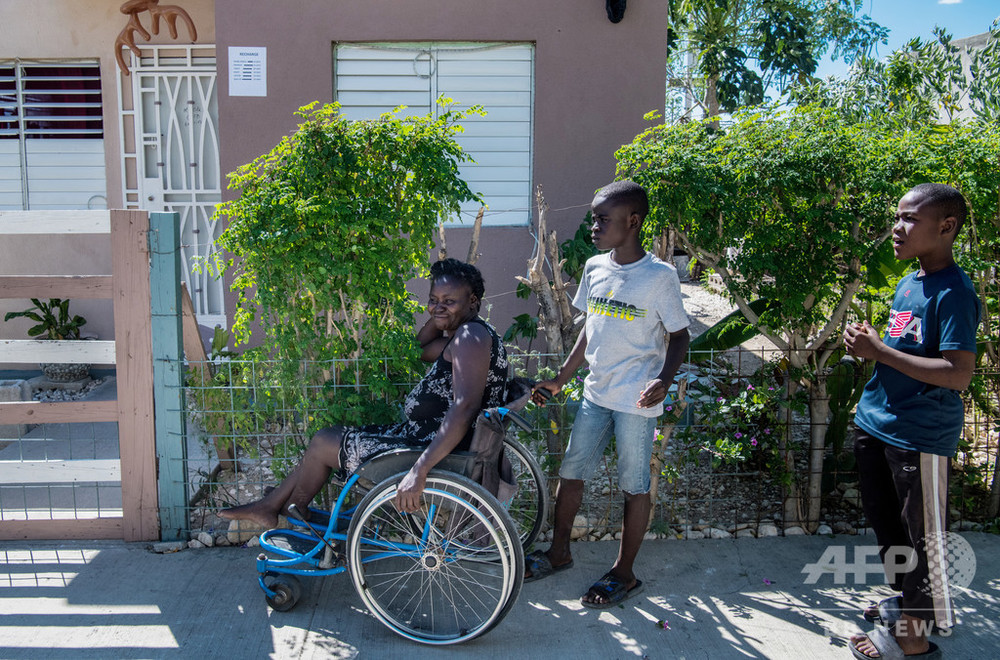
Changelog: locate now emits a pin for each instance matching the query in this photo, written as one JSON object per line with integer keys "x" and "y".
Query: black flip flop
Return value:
{"x": 541, "y": 567}
{"x": 612, "y": 588}
{"x": 886, "y": 612}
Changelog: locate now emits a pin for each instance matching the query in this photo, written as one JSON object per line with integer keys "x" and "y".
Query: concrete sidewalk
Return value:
{"x": 746, "y": 598}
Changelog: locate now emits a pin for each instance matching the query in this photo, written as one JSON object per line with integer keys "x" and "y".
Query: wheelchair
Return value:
{"x": 445, "y": 574}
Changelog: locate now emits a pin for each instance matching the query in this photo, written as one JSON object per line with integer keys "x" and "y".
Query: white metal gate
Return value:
{"x": 170, "y": 155}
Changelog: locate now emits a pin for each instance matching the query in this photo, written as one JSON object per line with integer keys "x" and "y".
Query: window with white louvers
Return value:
{"x": 51, "y": 136}
{"x": 373, "y": 78}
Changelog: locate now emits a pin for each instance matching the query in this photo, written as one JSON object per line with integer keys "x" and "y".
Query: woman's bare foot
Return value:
{"x": 253, "y": 512}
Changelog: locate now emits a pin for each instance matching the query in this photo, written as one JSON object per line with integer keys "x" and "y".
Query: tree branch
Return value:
{"x": 741, "y": 303}
{"x": 837, "y": 317}
{"x": 442, "y": 243}
{"x": 477, "y": 227}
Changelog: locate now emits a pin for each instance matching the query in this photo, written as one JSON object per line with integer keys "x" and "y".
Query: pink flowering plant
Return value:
{"x": 738, "y": 421}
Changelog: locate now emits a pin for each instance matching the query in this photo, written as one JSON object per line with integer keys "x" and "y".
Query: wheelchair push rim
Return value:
{"x": 443, "y": 575}
{"x": 529, "y": 507}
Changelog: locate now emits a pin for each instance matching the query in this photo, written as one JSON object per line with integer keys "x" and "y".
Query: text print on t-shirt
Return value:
{"x": 609, "y": 307}
{"x": 905, "y": 324}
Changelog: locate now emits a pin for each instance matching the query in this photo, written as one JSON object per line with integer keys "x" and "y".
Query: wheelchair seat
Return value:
{"x": 485, "y": 445}
{"x": 380, "y": 467}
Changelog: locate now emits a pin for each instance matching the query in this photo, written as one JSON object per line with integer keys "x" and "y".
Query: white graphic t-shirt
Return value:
{"x": 629, "y": 308}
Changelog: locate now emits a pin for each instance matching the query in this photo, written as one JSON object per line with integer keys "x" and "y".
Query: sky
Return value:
{"x": 916, "y": 18}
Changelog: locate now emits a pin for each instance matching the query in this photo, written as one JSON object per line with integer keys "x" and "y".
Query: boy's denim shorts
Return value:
{"x": 592, "y": 430}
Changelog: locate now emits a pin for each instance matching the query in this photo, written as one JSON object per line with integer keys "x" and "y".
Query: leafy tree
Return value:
{"x": 738, "y": 49}
{"x": 328, "y": 228}
{"x": 926, "y": 82}
{"x": 793, "y": 206}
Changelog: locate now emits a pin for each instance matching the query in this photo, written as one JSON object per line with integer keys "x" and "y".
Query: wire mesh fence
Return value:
{"x": 735, "y": 453}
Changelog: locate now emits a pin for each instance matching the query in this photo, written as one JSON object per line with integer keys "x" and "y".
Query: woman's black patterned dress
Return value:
{"x": 425, "y": 407}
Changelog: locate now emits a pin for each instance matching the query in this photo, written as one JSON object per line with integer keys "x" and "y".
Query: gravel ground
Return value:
{"x": 705, "y": 307}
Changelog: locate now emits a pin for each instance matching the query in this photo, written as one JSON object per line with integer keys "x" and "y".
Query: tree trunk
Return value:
{"x": 477, "y": 228}
{"x": 712, "y": 100}
{"x": 792, "y": 504}
{"x": 819, "y": 415}
{"x": 550, "y": 311}
{"x": 555, "y": 316}
{"x": 554, "y": 440}
{"x": 660, "y": 450}
{"x": 663, "y": 247}
{"x": 994, "y": 504}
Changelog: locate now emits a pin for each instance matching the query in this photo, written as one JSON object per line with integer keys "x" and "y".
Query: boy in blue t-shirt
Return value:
{"x": 910, "y": 417}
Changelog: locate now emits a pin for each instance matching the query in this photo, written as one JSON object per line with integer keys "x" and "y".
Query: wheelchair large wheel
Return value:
{"x": 530, "y": 507}
{"x": 443, "y": 575}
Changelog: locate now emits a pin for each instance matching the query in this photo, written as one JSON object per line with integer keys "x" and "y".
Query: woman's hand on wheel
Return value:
{"x": 409, "y": 491}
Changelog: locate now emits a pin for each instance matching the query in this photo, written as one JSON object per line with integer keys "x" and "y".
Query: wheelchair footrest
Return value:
{"x": 288, "y": 542}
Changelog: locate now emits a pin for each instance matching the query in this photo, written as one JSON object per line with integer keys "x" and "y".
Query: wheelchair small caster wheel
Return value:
{"x": 287, "y": 592}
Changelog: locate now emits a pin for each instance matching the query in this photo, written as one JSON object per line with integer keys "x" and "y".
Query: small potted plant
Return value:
{"x": 54, "y": 322}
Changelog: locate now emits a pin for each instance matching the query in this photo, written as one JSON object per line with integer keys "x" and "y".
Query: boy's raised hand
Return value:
{"x": 862, "y": 340}
{"x": 654, "y": 392}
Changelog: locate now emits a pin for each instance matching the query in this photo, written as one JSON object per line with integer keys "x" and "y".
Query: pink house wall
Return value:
{"x": 594, "y": 80}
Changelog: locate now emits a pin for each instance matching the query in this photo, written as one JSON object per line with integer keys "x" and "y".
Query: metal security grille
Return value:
{"x": 170, "y": 159}
{"x": 51, "y": 136}
{"x": 371, "y": 79}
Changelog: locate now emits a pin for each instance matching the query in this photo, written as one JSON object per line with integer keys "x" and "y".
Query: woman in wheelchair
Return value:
{"x": 468, "y": 373}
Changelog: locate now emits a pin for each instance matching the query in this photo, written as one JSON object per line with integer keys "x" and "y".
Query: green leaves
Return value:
{"x": 795, "y": 206}
{"x": 741, "y": 49}
{"x": 729, "y": 332}
{"x": 578, "y": 249}
{"x": 924, "y": 82}
{"x": 53, "y": 319}
{"x": 328, "y": 228}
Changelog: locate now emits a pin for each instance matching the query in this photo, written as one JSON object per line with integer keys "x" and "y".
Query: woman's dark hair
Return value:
{"x": 461, "y": 271}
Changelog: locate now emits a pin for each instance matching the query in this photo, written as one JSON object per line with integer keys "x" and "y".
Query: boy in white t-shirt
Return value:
{"x": 632, "y": 301}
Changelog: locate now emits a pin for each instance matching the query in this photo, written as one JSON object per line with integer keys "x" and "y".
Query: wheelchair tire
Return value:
{"x": 287, "y": 592}
{"x": 443, "y": 575}
{"x": 530, "y": 507}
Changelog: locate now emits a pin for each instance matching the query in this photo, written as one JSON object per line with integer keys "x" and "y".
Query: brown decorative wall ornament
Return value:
{"x": 132, "y": 9}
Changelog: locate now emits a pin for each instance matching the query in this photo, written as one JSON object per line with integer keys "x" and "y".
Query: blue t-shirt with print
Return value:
{"x": 930, "y": 314}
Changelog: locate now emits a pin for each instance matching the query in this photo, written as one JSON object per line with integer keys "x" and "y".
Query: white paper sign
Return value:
{"x": 247, "y": 71}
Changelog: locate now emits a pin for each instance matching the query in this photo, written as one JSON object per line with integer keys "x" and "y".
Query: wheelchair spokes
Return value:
{"x": 445, "y": 574}
{"x": 462, "y": 578}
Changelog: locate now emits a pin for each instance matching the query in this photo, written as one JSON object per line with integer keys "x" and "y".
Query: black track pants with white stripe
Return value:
{"x": 905, "y": 497}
